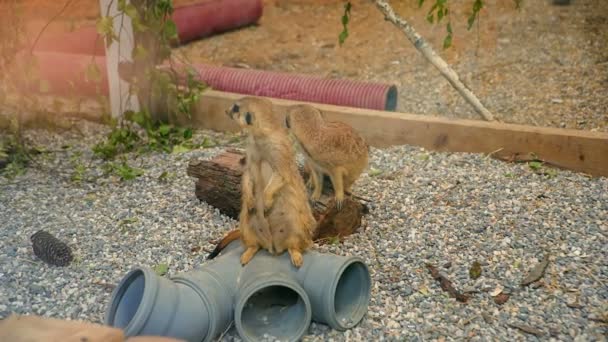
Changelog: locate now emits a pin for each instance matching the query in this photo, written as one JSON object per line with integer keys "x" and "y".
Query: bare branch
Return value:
{"x": 428, "y": 53}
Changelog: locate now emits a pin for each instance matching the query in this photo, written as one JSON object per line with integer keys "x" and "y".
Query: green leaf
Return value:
{"x": 180, "y": 149}
{"x": 447, "y": 41}
{"x": 170, "y": 30}
{"x": 131, "y": 11}
{"x": 374, "y": 172}
{"x": 345, "y": 20}
{"x": 475, "y": 270}
{"x": 105, "y": 28}
{"x": 470, "y": 22}
{"x": 420, "y": 3}
{"x": 161, "y": 269}
{"x": 535, "y": 165}
{"x": 164, "y": 129}
{"x": 140, "y": 118}
{"x": 165, "y": 176}
{"x": 188, "y": 133}
{"x": 138, "y": 26}
{"x": 207, "y": 143}
{"x": 140, "y": 52}
{"x": 477, "y": 6}
{"x": 430, "y": 18}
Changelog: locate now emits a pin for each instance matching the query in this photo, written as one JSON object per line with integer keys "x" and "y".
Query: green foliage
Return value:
{"x": 373, "y": 172}
{"x": 155, "y": 33}
{"x": 161, "y": 269}
{"x": 345, "y": 19}
{"x": 438, "y": 11}
{"x": 13, "y": 158}
{"x": 538, "y": 166}
{"x": 447, "y": 41}
{"x": 535, "y": 165}
{"x": 123, "y": 170}
{"x": 477, "y": 6}
{"x": 475, "y": 270}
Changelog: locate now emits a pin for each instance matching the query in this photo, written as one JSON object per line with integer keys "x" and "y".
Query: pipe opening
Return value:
{"x": 391, "y": 99}
{"x": 274, "y": 312}
{"x": 127, "y": 300}
{"x": 352, "y": 295}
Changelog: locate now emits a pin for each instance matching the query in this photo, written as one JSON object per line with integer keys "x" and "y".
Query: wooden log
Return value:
{"x": 219, "y": 185}
{"x": 576, "y": 150}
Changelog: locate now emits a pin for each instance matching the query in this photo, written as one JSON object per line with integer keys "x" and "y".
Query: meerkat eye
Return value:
{"x": 248, "y": 118}
{"x": 235, "y": 108}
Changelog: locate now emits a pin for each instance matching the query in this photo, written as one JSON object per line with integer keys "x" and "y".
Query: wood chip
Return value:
{"x": 527, "y": 329}
{"x": 537, "y": 272}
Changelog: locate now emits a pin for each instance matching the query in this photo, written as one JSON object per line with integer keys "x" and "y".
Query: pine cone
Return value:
{"x": 51, "y": 250}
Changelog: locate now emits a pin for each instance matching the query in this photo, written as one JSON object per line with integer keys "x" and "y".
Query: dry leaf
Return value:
{"x": 501, "y": 299}
{"x": 497, "y": 290}
{"x": 475, "y": 270}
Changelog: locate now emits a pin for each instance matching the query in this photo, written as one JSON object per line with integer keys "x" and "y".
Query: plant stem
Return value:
{"x": 428, "y": 53}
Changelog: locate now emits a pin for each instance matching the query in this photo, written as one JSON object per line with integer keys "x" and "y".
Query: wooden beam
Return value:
{"x": 576, "y": 150}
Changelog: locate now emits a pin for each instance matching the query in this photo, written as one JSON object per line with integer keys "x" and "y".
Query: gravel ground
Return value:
{"x": 446, "y": 209}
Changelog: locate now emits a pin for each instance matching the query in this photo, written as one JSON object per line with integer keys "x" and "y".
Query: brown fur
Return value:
{"x": 333, "y": 148}
{"x": 273, "y": 190}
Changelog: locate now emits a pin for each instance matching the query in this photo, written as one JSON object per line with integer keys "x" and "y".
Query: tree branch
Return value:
{"x": 428, "y": 53}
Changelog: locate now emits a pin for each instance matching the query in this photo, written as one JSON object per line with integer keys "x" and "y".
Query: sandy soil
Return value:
{"x": 542, "y": 65}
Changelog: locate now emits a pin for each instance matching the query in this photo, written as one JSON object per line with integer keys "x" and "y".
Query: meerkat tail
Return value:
{"x": 226, "y": 240}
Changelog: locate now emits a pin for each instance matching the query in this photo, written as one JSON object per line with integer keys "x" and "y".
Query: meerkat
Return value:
{"x": 330, "y": 147}
{"x": 283, "y": 199}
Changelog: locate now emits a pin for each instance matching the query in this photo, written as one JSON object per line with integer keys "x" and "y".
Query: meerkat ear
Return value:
{"x": 248, "y": 118}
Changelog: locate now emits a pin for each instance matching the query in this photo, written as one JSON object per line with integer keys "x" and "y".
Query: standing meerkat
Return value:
{"x": 279, "y": 193}
{"x": 330, "y": 147}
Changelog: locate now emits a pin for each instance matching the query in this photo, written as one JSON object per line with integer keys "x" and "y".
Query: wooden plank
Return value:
{"x": 576, "y": 150}
{"x": 119, "y": 51}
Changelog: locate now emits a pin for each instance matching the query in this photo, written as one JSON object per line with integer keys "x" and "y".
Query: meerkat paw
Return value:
{"x": 339, "y": 202}
{"x": 248, "y": 255}
{"x": 268, "y": 201}
{"x": 296, "y": 257}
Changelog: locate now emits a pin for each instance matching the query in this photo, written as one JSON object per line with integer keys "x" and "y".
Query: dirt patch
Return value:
{"x": 542, "y": 65}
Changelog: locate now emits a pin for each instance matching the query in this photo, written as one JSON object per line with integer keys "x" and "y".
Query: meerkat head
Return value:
{"x": 253, "y": 114}
{"x": 301, "y": 119}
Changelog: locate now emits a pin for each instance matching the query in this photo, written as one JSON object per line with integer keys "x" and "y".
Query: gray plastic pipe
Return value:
{"x": 268, "y": 297}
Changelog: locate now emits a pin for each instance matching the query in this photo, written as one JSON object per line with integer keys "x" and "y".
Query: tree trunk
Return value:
{"x": 428, "y": 53}
{"x": 219, "y": 185}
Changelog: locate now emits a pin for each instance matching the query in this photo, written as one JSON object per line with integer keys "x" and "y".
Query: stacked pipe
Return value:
{"x": 268, "y": 297}
{"x": 66, "y": 74}
{"x": 63, "y": 60}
